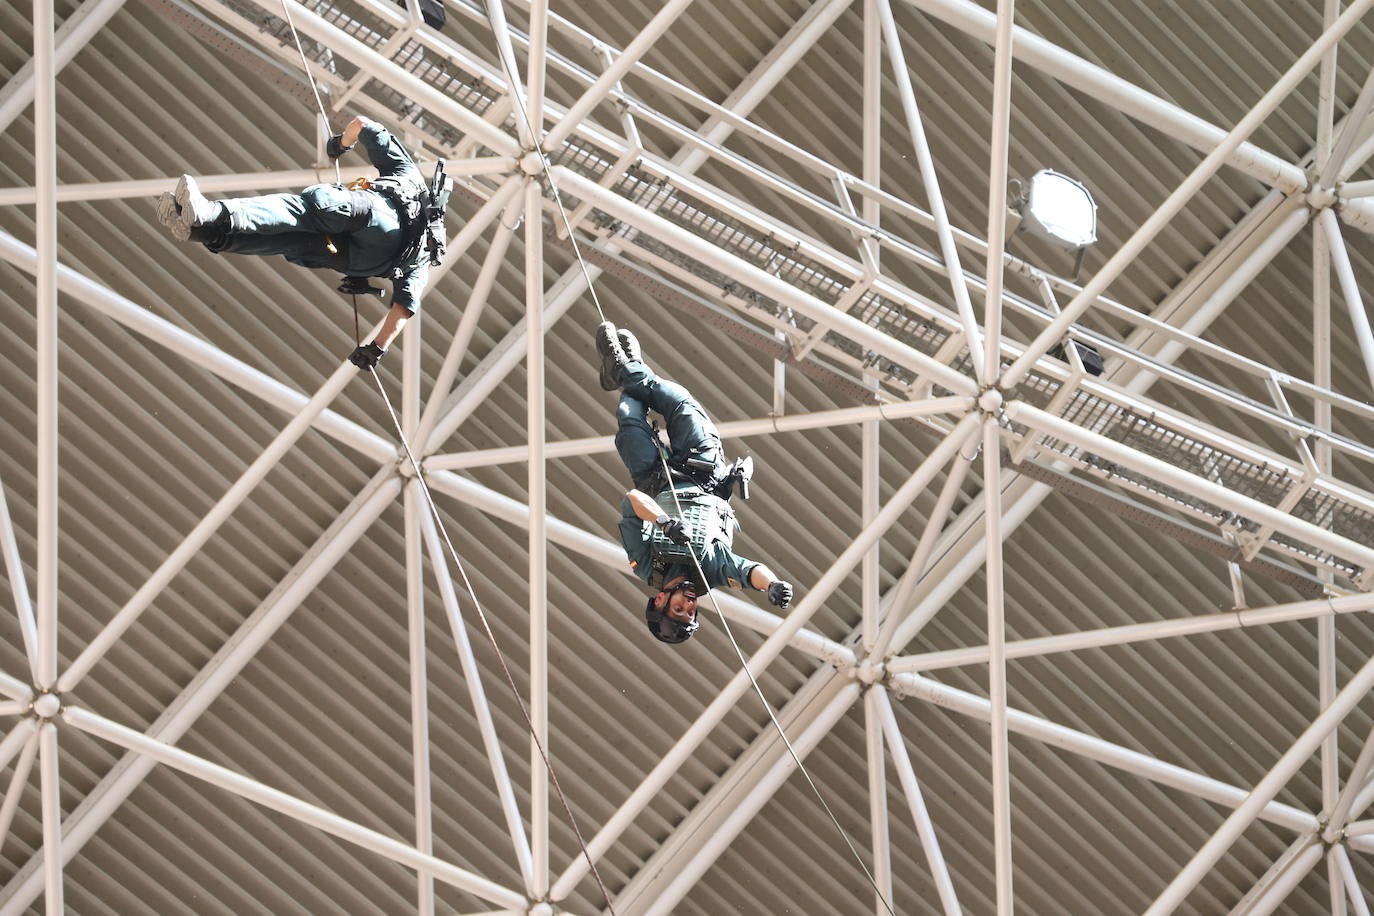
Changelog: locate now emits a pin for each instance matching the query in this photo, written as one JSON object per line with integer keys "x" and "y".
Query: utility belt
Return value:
{"x": 707, "y": 474}
{"x": 709, "y": 519}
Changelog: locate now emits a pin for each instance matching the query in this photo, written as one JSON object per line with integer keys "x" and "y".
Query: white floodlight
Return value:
{"x": 1056, "y": 209}
{"x": 1059, "y": 210}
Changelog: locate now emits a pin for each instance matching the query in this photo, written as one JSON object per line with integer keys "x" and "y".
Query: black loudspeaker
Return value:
{"x": 431, "y": 11}
{"x": 1092, "y": 360}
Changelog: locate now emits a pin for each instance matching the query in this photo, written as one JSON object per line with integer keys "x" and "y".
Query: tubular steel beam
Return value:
{"x": 930, "y": 180}
{"x": 50, "y": 784}
{"x": 473, "y": 309}
{"x": 1158, "y": 470}
{"x": 605, "y": 83}
{"x": 191, "y": 545}
{"x": 594, "y": 445}
{"x": 997, "y": 665}
{"x": 1102, "y": 84}
{"x": 211, "y": 358}
{"x": 766, "y": 283}
{"x": 472, "y": 675}
{"x": 538, "y": 544}
{"x": 365, "y": 58}
{"x": 1323, "y": 608}
{"x": 177, "y": 759}
{"x": 879, "y": 835}
{"x": 684, "y": 874}
{"x": 220, "y": 184}
{"x": 925, "y": 827}
{"x": 18, "y": 782}
{"x": 1104, "y": 752}
{"x": 997, "y": 188}
{"x": 606, "y": 553}
{"x": 415, "y": 509}
{"x": 1350, "y": 289}
{"x": 19, "y": 587}
{"x": 76, "y": 30}
{"x": 46, "y": 381}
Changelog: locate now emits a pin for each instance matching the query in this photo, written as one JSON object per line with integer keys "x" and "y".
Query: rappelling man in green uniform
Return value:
{"x": 390, "y": 227}
{"x": 661, "y": 541}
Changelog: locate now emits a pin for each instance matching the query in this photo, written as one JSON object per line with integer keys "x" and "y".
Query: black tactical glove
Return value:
{"x": 676, "y": 531}
{"x": 366, "y": 356}
{"x": 779, "y": 593}
{"x": 334, "y": 148}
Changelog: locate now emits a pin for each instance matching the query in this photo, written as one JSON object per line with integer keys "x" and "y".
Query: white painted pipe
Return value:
{"x": 1103, "y": 752}
{"x": 537, "y": 496}
{"x": 18, "y": 783}
{"x": 395, "y": 76}
{"x": 100, "y": 803}
{"x": 997, "y": 664}
{"x": 759, "y": 279}
{"x": 663, "y": 19}
{"x": 1100, "y": 83}
{"x": 1350, "y": 290}
{"x": 593, "y": 445}
{"x": 211, "y": 358}
{"x": 50, "y": 785}
{"x": 222, "y": 184}
{"x": 606, "y": 553}
{"x": 1138, "y": 632}
{"x": 45, "y": 314}
{"x": 920, "y": 814}
{"x": 14, "y": 569}
{"x": 415, "y": 509}
{"x": 930, "y": 181}
{"x": 167, "y": 755}
{"x": 472, "y": 675}
{"x": 73, "y": 35}
{"x": 472, "y": 311}
{"x": 743, "y": 813}
{"x": 191, "y": 545}
{"x": 1264, "y": 792}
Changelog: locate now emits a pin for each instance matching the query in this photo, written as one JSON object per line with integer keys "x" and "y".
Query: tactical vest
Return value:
{"x": 710, "y": 518}
{"x": 420, "y": 212}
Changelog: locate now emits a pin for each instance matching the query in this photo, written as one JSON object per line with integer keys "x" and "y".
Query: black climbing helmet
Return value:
{"x": 665, "y": 628}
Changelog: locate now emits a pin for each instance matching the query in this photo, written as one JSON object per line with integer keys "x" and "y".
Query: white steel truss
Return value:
{"x": 844, "y": 311}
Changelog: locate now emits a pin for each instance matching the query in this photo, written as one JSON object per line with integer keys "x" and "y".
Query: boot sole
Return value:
{"x": 196, "y": 209}
{"x": 606, "y": 350}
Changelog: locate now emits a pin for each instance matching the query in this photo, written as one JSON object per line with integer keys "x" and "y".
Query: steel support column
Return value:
{"x": 949, "y": 251}
{"x": 538, "y": 545}
{"x": 45, "y": 311}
